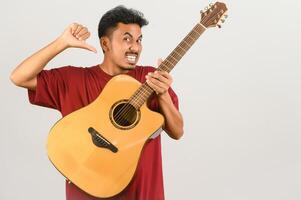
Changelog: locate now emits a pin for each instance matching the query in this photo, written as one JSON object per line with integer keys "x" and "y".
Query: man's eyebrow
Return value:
{"x": 127, "y": 33}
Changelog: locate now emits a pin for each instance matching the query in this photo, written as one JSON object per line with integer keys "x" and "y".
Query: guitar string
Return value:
{"x": 127, "y": 107}
{"x": 221, "y": 12}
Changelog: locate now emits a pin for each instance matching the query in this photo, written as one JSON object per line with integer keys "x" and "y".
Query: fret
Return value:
{"x": 189, "y": 39}
{"x": 163, "y": 67}
{"x": 173, "y": 58}
{"x": 176, "y": 52}
{"x": 184, "y": 50}
{"x": 192, "y": 36}
{"x": 168, "y": 62}
{"x": 188, "y": 44}
{"x": 174, "y": 55}
{"x": 195, "y": 31}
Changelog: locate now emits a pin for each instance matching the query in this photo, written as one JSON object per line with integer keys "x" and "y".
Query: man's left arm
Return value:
{"x": 160, "y": 81}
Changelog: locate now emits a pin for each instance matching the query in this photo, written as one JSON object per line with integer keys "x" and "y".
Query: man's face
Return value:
{"x": 124, "y": 45}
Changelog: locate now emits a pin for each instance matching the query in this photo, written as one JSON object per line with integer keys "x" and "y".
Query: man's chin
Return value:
{"x": 129, "y": 66}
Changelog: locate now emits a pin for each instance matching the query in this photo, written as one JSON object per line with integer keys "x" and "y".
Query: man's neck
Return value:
{"x": 111, "y": 68}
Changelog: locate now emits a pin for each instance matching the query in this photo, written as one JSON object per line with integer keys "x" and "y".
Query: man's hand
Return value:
{"x": 160, "y": 81}
{"x": 75, "y": 35}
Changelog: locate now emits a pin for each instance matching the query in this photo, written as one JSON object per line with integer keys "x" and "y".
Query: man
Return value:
{"x": 69, "y": 88}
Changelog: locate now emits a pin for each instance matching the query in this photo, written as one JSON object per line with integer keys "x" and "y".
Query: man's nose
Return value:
{"x": 134, "y": 47}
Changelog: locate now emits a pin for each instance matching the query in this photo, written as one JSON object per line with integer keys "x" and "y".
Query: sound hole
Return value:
{"x": 125, "y": 115}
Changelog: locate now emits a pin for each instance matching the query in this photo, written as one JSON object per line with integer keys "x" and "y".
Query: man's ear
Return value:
{"x": 104, "y": 43}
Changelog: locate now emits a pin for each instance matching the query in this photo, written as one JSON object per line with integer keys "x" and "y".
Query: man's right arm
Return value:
{"x": 25, "y": 74}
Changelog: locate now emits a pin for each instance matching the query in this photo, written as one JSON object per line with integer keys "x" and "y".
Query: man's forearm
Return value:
{"x": 173, "y": 118}
{"x": 34, "y": 64}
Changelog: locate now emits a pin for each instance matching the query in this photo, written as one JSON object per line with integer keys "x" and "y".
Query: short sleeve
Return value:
{"x": 51, "y": 86}
{"x": 153, "y": 103}
{"x": 174, "y": 97}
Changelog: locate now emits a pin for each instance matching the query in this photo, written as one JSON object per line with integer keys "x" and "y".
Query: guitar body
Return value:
{"x": 96, "y": 150}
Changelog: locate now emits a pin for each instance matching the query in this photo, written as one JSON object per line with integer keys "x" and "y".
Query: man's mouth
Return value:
{"x": 131, "y": 57}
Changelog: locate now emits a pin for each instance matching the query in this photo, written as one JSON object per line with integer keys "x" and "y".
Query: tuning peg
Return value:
{"x": 206, "y": 8}
{"x": 218, "y": 24}
{"x": 223, "y": 20}
{"x": 225, "y": 16}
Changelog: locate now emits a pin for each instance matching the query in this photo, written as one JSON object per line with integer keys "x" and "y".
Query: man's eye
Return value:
{"x": 127, "y": 39}
{"x": 139, "y": 40}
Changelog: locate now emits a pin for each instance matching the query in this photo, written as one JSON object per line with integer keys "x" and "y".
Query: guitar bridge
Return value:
{"x": 101, "y": 141}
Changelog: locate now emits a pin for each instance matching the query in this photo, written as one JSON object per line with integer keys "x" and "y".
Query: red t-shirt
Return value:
{"x": 69, "y": 88}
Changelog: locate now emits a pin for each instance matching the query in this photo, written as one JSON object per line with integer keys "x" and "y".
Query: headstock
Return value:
{"x": 214, "y": 14}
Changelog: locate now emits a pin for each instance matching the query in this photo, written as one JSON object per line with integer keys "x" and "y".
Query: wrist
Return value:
{"x": 163, "y": 97}
{"x": 61, "y": 44}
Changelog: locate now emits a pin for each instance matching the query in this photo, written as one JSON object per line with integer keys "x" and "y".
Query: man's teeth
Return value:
{"x": 131, "y": 58}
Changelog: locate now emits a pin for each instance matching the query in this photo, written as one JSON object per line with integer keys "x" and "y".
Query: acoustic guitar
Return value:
{"x": 98, "y": 146}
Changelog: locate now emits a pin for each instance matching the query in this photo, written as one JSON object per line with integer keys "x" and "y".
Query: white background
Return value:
{"x": 239, "y": 92}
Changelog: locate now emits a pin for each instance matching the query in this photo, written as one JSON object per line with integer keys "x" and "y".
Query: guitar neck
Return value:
{"x": 175, "y": 56}
{"x": 145, "y": 91}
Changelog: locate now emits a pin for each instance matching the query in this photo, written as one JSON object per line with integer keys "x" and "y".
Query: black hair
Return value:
{"x": 119, "y": 14}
